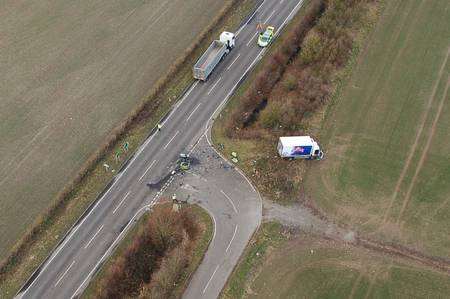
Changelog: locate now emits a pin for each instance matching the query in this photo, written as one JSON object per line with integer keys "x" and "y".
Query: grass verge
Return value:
{"x": 70, "y": 204}
{"x": 268, "y": 237}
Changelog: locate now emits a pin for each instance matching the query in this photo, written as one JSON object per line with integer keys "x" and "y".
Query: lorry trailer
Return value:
{"x": 213, "y": 55}
{"x": 299, "y": 147}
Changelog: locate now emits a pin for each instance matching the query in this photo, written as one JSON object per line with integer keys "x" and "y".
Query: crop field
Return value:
{"x": 316, "y": 268}
{"x": 70, "y": 72}
{"x": 386, "y": 136}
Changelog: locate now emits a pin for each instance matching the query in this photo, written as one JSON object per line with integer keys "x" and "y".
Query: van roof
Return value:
{"x": 296, "y": 140}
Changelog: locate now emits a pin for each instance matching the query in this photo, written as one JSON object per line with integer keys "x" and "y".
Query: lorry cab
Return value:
{"x": 228, "y": 38}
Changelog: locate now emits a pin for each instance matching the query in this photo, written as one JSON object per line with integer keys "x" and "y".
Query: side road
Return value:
{"x": 233, "y": 204}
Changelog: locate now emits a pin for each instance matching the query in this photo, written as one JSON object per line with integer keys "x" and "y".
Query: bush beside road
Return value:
{"x": 158, "y": 256}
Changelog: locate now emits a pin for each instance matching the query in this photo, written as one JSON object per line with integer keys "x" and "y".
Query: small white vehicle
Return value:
{"x": 213, "y": 55}
{"x": 299, "y": 147}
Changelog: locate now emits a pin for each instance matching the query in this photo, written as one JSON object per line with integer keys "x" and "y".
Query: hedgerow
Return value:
{"x": 154, "y": 262}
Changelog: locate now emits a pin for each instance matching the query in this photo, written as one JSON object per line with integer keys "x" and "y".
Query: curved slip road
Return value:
{"x": 234, "y": 206}
{"x": 68, "y": 270}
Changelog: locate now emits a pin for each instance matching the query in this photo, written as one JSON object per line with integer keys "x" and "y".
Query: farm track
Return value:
{"x": 439, "y": 264}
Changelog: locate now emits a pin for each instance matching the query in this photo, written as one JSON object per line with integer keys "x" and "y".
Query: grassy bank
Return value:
{"x": 181, "y": 279}
{"x": 74, "y": 200}
{"x": 312, "y": 267}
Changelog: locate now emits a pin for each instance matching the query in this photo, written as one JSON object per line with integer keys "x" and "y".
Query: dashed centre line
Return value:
{"x": 269, "y": 17}
{"x": 148, "y": 168}
{"x": 193, "y": 111}
{"x": 64, "y": 274}
{"x": 211, "y": 89}
{"x": 232, "y": 238}
{"x": 93, "y": 237}
{"x": 171, "y": 139}
{"x": 209, "y": 281}
{"x": 120, "y": 203}
{"x": 251, "y": 39}
{"x": 228, "y": 68}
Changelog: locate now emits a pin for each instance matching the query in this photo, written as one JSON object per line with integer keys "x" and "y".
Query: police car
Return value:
{"x": 266, "y": 37}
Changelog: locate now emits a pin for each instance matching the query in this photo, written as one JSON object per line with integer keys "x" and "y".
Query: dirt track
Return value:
{"x": 69, "y": 72}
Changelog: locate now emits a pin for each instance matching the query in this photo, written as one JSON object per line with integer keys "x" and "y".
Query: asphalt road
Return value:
{"x": 234, "y": 206}
{"x": 66, "y": 273}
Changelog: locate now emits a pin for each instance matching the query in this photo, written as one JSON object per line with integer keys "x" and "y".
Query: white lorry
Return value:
{"x": 294, "y": 147}
{"x": 213, "y": 55}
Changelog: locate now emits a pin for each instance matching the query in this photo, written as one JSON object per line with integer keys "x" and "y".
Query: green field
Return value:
{"x": 386, "y": 135}
{"x": 310, "y": 267}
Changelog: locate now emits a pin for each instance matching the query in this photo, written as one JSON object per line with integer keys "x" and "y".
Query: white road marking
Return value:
{"x": 215, "y": 227}
{"x": 120, "y": 203}
{"x": 269, "y": 17}
{"x": 108, "y": 251}
{"x": 289, "y": 16}
{"x": 250, "y": 18}
{"x": 193, "y": 111}
{"x": 141, "y": 149}
{"x": 209, "y": 281}
{"x": 228, "y": 68}
{"x": 93, "y": 237}
{"x": 171, "y": 139}
{"x": 148, "y": 168}
{"x": 64, "y": 274}
{"x": 211, "y": 89}
{"x": 145, "y": 145}
{"x": 230, "y": 200}
{"x": 232, "y": 238}
{"x": 251, "y": 39}
{"x": 74, "y": 230}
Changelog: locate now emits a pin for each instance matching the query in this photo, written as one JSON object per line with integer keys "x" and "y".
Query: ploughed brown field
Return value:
{"x": 69, "y": 73}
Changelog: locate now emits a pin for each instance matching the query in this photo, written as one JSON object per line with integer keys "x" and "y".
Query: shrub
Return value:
{"x": 271, "y": 116}
{"x": 312, "y": 49}
{"x": 153, "y": 248}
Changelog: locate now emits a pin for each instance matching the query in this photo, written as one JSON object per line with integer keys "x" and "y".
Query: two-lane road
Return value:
{"x": 66, "y": 273}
